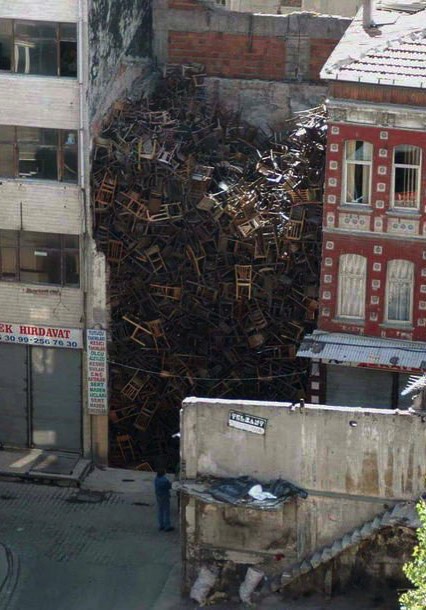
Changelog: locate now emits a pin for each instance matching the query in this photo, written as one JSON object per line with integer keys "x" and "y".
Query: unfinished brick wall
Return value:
{"x": 245, "y": 46}
{"x": 185, "y": 5}
{"x": 230, "y": 55}
{"x": 321, "y": 49}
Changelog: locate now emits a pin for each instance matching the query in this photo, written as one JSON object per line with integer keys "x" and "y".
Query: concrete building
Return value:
{"x": 52, "y": 282}
{"x": 361, "y": 469}
{"x": 62, "y": 65}
{"x": 372, "y": 325}
{"x": 348, "y": 8}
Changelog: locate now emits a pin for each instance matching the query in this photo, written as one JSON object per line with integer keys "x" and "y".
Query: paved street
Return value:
{"x": 70, "y": 549}
{"x": 98, "y": 548}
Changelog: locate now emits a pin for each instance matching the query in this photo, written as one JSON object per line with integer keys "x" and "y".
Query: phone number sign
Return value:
{"x": 45, "y": 336}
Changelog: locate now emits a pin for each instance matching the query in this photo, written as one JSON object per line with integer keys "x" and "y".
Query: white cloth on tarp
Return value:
{"x": 257, "y": 493}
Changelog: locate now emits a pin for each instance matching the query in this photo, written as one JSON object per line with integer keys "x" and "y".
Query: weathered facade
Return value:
{"x": 372, "y": 313}
{"x": 361, "y": 468}
{"x": 52, "y": 284}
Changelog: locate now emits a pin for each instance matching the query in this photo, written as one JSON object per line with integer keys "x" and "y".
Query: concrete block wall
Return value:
{"x": 355, "y": 463}
{"x": 339, "y": 451}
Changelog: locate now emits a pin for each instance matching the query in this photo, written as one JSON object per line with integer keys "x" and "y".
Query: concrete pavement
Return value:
{"x": 85, "y": 549}
{"x": 98, "y": 548}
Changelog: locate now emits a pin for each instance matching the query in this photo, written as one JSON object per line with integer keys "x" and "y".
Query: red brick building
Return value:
{"x": 372, "y": 324}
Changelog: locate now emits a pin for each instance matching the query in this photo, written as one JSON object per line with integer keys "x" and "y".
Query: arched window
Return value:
{"x": 357, "y": 182}
{"x": 406, "y": 176}
{"x": 352, "y": 282}
{"x": 399, "y": 291}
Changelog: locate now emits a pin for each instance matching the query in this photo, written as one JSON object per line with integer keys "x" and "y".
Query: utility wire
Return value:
{"x": 166, "y": 374}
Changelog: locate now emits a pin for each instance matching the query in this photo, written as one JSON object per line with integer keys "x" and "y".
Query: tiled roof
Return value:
{"x": 402, "y": 60}
{"x": 358, "y": 349}
{"x": 392, "y": 53}
{"x": 405, "y": 6}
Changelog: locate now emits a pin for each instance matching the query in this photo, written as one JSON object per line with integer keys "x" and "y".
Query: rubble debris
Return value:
{"x": 206, "y": 580}
{"x": 251, "y": 581}
{"x": 212, "y": 231}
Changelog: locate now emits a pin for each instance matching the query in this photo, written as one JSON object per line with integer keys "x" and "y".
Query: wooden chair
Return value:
{"x": 133, "y": 388}
{"x": 115, "y": 250}
{"x": 132, "y": 203}
{"x": 295, "y": 224}
{"x": 168, "y": 292}
{"x": 145, "y": 416}
{"x": 243, "y": 281}
{"x": 195, "y": 254}
{"x": 125, "y": 446}
{"x": 153, "y": 256}
{"x": 105, "y": 195}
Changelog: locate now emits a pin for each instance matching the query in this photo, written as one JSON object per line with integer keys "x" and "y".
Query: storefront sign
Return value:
{"x": 45, "y": 336}
{"x": 249, "y": 423}
{"x": 97, "y": 372}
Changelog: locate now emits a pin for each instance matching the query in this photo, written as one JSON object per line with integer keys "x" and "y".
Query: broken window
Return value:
{"x": 38, "y": 47}
{"x": 399, "y": 291}
{"x": 406, "y": 176}
{"x": 7, "y": 152}
{"x": 36, "y": 153}
{"x": 357, "y": 183}
{"x": 352, "y": 283}
{"x": 39, "y": 258}
{"x": 5, "y": 44}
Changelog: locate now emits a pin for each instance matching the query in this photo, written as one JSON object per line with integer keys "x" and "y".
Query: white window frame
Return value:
{"x": 408, "y": 166}
{"x": 391, "y": 265}
{"x": 346, "y": 277}
{"x": 346, "y": 163}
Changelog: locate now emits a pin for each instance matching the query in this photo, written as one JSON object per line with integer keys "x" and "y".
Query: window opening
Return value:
{"x": 406, "y": 176}
{"x": 400, "y": 279}
{"x": 39, "y": 258}
{"x": 36, "y": 153}
{"x": 38, "y": 48}
{"x": 358, "y": 171}
{"x": 352, "y": 282}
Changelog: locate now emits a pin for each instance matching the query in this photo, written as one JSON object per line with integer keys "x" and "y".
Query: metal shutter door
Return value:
{"x": 13, "y": 395}
{"x": 357, "y": 387}
{"x": 56, "y": 398}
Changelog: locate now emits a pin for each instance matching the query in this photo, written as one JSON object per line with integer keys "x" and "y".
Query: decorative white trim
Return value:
{"x": 369, "y": 113}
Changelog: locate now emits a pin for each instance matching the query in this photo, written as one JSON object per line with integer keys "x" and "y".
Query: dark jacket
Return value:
{"x": 162, "y": 487}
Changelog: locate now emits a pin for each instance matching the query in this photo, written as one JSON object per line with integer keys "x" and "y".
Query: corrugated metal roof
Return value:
{"x": 357, "y": 349}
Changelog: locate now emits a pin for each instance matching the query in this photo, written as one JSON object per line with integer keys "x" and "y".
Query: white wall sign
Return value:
{"x": 45, "y": 336}
{"x": 249, "y": 423}
{"x": 97, "y": 372}
{"x": 97, "y": 368}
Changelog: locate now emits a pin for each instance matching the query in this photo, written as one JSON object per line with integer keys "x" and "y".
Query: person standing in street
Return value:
{"x": 162, "y": 494}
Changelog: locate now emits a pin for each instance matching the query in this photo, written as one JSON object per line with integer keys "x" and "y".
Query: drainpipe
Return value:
{"x": 367, "y": 18}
